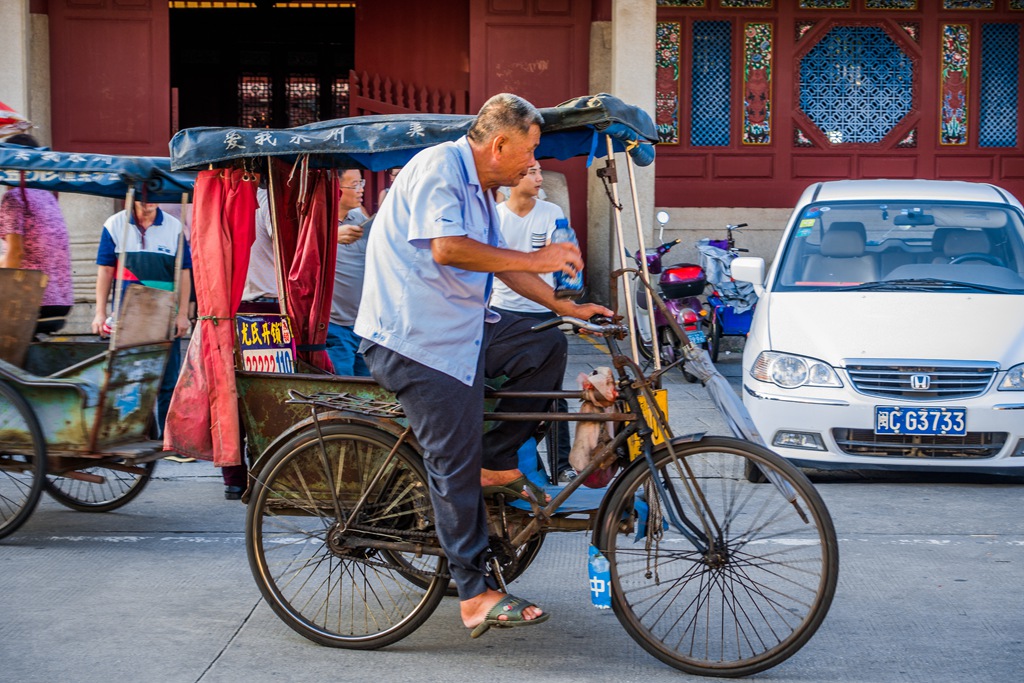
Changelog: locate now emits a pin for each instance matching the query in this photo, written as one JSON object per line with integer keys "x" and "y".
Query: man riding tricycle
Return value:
{"x": 367, "y": 497}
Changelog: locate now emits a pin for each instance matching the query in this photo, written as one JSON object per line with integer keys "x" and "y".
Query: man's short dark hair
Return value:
{"x": 504, "y": 111}
{"x": 23, "y": 139}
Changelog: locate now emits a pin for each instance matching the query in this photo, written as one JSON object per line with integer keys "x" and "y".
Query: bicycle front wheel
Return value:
{"x": 754, "y": 587}
{"x": 349, "y": 586}
{"x": 22, "y": 460}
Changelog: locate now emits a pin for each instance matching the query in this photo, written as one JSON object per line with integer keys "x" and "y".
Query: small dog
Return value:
{"x": 599, "y": 394}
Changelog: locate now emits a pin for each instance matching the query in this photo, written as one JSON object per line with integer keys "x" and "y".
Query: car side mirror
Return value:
{"x": 749, "y": 269}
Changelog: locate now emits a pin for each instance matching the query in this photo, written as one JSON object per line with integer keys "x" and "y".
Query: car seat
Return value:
{"x": 842, "y": 257}
{"x": 939, "y": 244}
{"x": 961, "y": 241}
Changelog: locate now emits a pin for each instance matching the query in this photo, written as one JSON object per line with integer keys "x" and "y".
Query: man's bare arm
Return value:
{"x": 12, "y": 259}
{"x": 468, "y": 254}
{"x": 104, "y": 277}
{"x": 535, "y": 289}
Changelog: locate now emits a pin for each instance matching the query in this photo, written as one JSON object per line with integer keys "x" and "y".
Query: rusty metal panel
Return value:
{"x": 266, "y": 413}
{"x": 51, "y": 357}
{"x": 65, "y": 425}
{"x": 129, "y": 393}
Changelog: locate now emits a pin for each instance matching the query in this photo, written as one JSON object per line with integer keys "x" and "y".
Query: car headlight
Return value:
{"x": 789, "y": 371}
{"x": 1014, "y": 380}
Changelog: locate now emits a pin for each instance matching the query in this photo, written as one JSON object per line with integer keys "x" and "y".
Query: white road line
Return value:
{"x": 200, "y": 537}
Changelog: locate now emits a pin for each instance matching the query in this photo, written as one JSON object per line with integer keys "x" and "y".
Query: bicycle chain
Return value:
{"x": 402, "y": 569}
{"x": 391, "y": 531}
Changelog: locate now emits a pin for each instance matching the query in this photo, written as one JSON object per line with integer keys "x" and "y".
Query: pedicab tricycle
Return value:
{"x": 709, "y": 572}
{"x": 75, "y": 410}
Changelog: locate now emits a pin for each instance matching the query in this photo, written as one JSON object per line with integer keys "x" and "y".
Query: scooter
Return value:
{"x": 730, "y": 304}
{"x": 679, "y": 285}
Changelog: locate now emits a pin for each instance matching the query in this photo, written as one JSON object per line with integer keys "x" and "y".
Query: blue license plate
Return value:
{"x": 697, "y": 337}
{"x": 922, "y": 421}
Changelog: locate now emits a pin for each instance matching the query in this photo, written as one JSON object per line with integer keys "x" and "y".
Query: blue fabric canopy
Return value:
{"x": 102, "y": 175}
{"x": 376, "y": 143}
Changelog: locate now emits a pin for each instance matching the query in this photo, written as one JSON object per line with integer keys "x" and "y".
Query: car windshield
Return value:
{"x": 899, "y": 245}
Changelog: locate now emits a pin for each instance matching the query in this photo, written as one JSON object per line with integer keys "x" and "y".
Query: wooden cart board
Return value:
{"x": 19, "y": 309}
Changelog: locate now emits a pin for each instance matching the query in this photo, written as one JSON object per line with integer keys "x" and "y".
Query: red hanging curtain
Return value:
{"x": 306, "y": 213}
{"x": 203, "y": 418}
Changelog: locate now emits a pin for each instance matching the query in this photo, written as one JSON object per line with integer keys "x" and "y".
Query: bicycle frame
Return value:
{"x": 633, "y": 423}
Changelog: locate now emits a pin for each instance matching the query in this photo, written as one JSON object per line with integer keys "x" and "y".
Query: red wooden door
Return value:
{"x": 110, "y": 76}
{"x": 538, "y": 49}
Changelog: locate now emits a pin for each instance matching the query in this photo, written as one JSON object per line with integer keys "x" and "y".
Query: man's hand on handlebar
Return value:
{"x": 597, "y": 324}
{"x": 583, "y": 311}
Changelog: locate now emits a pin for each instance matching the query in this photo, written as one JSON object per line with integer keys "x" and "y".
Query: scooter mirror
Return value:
{"x": 662, "y": 217}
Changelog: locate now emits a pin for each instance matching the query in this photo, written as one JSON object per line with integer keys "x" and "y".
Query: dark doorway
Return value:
{"x": 262, "y": 67}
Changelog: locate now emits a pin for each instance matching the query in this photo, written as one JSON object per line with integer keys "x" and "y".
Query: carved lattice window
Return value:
{"x": 254, "y": 100}
{"x": 339, "y": 94}
{"x": 856, "y": 84}
{"x": 710, "y": 91}
{"x": 1000, "y": 74}
{"x": 302, "y": 95}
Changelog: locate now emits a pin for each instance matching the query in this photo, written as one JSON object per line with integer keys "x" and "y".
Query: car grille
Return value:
{"x": 921, "y": 382}
{"x": 866, "y": 443}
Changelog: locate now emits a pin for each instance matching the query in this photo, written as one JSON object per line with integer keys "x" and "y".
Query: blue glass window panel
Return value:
{"x": 1000, "y": 73}
{"x": 856, "y": 84}
{"x": 710, "y": 91}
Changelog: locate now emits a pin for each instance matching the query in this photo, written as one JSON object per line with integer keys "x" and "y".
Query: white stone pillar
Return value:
{"x": 622, "y": 63}
{"x": 15, "y": 38}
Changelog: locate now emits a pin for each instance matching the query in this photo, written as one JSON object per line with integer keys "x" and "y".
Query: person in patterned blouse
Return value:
{"x": 35, "y": 237}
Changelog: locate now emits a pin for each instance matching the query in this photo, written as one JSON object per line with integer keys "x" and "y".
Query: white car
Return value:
{"x": 889, "y": 333}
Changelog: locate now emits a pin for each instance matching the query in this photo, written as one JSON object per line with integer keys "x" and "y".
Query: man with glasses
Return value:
{"x": 353, "y": 233}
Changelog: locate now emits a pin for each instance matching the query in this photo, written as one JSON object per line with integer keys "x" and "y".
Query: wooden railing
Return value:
{"x": 372, "y": 94}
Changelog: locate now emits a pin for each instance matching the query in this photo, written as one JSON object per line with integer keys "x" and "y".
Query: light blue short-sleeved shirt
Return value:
{"x": 427, "y": 312}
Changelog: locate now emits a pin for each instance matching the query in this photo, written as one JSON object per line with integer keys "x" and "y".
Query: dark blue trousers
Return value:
{"x": 557, "y": 437}
{"x": 447, "y": 418}
{"x": 167, "y": 384}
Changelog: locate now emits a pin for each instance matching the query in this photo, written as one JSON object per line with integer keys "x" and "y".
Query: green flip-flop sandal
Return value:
{"x": 512, "y": 607}
{"x": 514, "y": 490}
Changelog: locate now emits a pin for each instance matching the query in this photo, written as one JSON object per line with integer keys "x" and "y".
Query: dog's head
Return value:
{"x": 599, "y": 387}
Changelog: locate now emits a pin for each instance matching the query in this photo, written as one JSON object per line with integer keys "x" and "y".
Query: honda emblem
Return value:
{"x": 920, "y": 382}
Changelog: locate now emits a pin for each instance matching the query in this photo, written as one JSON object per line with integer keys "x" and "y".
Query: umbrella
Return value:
{"x": 203, "y": 417}
{"x": 11, "y": 122}
{"x": 305, "y": 204}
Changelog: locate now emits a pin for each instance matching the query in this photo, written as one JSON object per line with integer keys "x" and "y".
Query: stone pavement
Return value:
{"x": 160, "y": 590}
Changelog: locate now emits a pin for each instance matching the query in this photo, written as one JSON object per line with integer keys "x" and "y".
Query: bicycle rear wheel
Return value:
{"x": 325, "y": 580}
{"x": 750, "y": 601}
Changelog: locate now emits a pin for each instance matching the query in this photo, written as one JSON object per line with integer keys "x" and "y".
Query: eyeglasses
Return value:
{"x": 359, "y": 184}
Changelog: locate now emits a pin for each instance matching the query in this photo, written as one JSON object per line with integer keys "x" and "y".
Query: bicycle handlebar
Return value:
{"x": 597, "y": 325}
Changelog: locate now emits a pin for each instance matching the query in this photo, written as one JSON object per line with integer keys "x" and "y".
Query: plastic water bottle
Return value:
{"x": 600, "y": 580}
{"x": 566, "y": 286}
{"x": 107, "y": 327}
